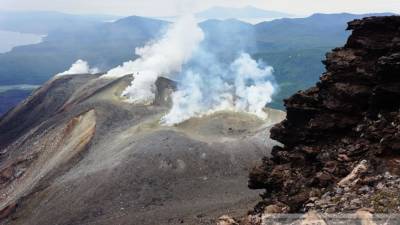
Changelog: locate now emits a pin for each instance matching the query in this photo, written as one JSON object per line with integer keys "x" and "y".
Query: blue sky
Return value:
{"x": 175, "y": 7}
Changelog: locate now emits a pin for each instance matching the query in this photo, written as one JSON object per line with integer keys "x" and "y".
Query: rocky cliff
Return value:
{"x": 341, "y": 138}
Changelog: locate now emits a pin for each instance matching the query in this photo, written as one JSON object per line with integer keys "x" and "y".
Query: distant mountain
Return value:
{"x": 42, "y": 22}
{"x": 245, "y": 12}
{"x": 104, "y": 45}
{"x": 315, "y": 31}
{"x": 225, "y": 38}
{"x": 294, "y": 47}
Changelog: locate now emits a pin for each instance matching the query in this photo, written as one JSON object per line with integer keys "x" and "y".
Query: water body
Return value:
{"x": 19, "y": 87}
{"x": 11, "y": 95}
{"x": 10, "y": 39}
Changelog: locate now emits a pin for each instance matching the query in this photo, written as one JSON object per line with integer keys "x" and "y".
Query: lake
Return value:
{"x": 10, "y": 39}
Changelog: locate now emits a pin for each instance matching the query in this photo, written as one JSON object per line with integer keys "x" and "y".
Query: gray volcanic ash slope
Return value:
{"x": 75, "y": 153}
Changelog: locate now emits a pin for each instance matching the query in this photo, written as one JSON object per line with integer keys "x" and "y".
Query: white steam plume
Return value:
{"x": 205, "y": 84}
{"x": 253, "y": 85}
{"x": 164, "y": 57}
{"x": 79, "y": 67}
{"x": 242, "y": 86}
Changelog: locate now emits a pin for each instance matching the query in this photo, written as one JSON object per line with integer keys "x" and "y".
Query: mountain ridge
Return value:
{"x": 292, "y": 52}
{"x": 220, "y": 12}
{"x": 42, "y": 22}
{"x": 78, "y": 146}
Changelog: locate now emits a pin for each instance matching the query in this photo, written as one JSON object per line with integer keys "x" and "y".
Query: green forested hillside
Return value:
{"x": 294, "y": 70}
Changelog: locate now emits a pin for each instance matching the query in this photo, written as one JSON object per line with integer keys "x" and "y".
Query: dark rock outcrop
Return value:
{"x": 346, "y": 127}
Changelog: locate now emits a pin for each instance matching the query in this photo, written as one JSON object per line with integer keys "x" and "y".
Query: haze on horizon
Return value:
{"x": 157, "y": 8}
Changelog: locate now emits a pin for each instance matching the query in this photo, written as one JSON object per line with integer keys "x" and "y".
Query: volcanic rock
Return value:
{"x": 75, "y": 152}
{"x": 342, "y": 135}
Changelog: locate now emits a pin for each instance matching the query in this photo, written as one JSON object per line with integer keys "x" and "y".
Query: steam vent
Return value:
{"x": 341, "y": 138}
{"x": 75, "y": 152}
